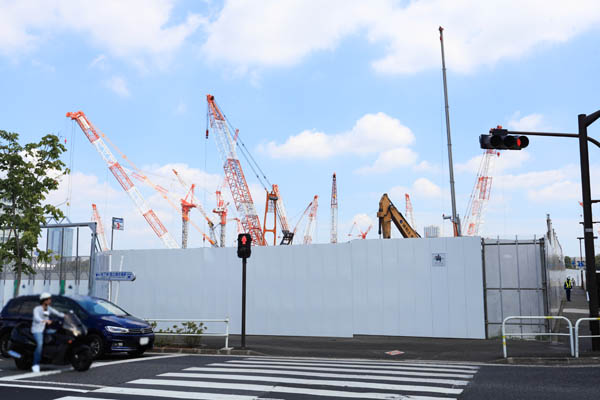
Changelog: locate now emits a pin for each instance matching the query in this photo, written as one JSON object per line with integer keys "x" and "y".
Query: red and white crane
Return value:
{"x": 409, "y": 211}
{"x": 362, "y": 234}
{"x": 312, "y": 216}
{"x": 334, "y": 210}
{"x": 99, "y": 228}
{"x": 480, "y": 195}
{"x": 221, "y": 211}
{"x": 113, "y": 165}
{"x": 234, "y": 173}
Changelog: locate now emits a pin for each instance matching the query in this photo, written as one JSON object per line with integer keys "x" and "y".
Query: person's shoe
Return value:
{"x": 35, "y": 368}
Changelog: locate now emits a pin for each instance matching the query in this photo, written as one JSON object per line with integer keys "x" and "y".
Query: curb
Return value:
{"x": 222, "y": 352}
{"x": 554, "y": 361}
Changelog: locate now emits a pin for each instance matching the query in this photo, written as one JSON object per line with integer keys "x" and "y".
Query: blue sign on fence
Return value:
{"x": 580, "y": 264}
{"x": 115, "y": 276}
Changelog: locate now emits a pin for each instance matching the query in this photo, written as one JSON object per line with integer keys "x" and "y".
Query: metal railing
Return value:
{"x": 585, "y": 336}
{"x": 504, "y": 334}
{"x": 224, "y": 334}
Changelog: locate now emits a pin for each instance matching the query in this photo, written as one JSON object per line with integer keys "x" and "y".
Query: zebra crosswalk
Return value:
{"x": 293, "y": 378}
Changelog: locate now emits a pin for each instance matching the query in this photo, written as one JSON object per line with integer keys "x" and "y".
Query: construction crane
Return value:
{"x": 187, "y": 203}
{"x": 126, "y": 183}
{"x": 234, "y": 173}
{"x": 409, "y": 211}
{"x": 480, "y": 196}
{"x": 334, "y": 210}
{"x": 362, "y": 234}
{"x": 221, "y": 211}
{"x": 164, "y": 193}
{"x": 287, "y": 233}
{"x": 312, "y": 216}
{"x": 387, "y": 214}
{"x": 99, "y": 228}
{"x": 211, "y": 225}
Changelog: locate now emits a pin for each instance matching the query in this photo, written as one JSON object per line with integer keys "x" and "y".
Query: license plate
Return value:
{"x": 144, "y": 341}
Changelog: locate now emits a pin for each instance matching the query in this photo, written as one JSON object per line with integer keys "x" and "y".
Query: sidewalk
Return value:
{"x": 573, "y": 310}
{"x": 418, "y": 348}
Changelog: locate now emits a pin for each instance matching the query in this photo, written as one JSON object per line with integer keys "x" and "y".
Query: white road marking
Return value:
{"x": 391, "y": 367}
{"x": 326, "y": 375}
{"x": 367, "y": 362}
{"x": 275, "y": 389}
{"x": 297, "y": 381}
{"x": 170, "y": 394}
{"x": 349, "y": 370}
{"x": 575, "y": 311}
{"x": 82, "y": 398}
{"x": 130, "y": 360}
{"x": 89, "y": 385}
{"x": 58, "y": 389}
{"x": 34, "y": 374}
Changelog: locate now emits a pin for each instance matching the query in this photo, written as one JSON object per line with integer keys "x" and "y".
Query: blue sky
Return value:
{"x": 346, "y": 86}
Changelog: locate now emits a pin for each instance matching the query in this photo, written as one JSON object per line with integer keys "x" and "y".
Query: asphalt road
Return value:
{"x": 227, "y": 378}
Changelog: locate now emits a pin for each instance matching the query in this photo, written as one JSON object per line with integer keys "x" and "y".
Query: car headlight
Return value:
{"x": 116, "y": 329}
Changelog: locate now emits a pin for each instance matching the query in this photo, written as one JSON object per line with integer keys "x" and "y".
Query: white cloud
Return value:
{"x": 531, "y": 122}
{"x": 559, "y": 191}
{"x": 390, "y": 160}
{"x": 273, "y": 33}
{"x": 131, "y": 30}
{"x": 363, "y": 223}
{"x": 118, "y": 85}
{"x": 422, "y": 187}
{"x": 426, "y": 166}
{"x": 99, "y": 62}
{"x": 371, "y": 133}
{"x": 499, "y": 163}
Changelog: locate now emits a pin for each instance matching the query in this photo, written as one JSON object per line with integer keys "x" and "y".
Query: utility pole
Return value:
{"x": 455, "y": 219}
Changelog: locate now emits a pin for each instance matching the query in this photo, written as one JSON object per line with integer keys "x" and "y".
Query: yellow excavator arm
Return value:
{"x": 388, "y": 213}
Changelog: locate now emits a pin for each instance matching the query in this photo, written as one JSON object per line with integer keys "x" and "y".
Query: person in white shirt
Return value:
{"x": 41, "y": 318}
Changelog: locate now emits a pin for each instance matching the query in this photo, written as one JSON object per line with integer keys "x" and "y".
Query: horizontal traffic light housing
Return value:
{"x": 499, "y": 139}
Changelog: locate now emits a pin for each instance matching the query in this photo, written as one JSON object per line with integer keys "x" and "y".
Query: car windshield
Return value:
{"x": 101, "y": 307}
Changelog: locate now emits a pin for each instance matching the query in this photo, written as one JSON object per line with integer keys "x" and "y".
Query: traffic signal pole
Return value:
{"x": 588, "y": 228}
{"x": 244, "y": 303}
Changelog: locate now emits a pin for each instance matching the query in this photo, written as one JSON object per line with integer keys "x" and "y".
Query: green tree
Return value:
{"x": 27, "y": 174}
{"x": 568, "y": 262}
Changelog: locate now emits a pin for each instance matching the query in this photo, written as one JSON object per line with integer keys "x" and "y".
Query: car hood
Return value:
{"x": 127, "y": 321}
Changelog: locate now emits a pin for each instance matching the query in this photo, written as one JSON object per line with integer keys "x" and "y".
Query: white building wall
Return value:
{"x": 373, "y": 287}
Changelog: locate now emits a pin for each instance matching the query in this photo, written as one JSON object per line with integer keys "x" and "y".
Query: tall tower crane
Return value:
{"x": 99, "y": 228}
{"x": 480, "y": 195}
{"x": 312, "y": 216}
{"x": 211, "y": 225}
{"x": 334, "y": 210}
{"x": 409, "y": 211}
{"x": 187, "y": 203}
{"x": 221, "y": 211}
{"x": 234, "y": 173}
{"x": 113, "y": 165}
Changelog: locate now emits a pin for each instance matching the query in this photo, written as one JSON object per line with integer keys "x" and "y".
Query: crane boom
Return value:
{"x": 99, "y": 228}
{"x": 234, "y": 173}
{"x": 113, "y": 165}
{"x": 334, "y": 210}
{"x": 480, "y": 195}
{"x": 387, "y": 214}
{"x": 310, "y": 226}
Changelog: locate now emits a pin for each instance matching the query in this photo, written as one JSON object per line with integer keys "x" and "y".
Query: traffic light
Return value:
{"x": 499, "y": 139}
{"x": 244, "y": 245}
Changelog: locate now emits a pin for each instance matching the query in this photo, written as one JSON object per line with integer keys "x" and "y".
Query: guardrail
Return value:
{"x": 585, "y": 336}
{"x": 504, "y": 334}
{"x": 224, "y": 334}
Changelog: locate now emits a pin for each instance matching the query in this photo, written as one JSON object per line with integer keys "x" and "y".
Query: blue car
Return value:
{"x": 110, "y": 328}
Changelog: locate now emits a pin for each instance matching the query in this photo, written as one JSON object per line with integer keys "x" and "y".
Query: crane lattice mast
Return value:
{"x": 334, "y": 210}
{"x": 409, "y": 211}
{"x": 234, "y": 173}
{"x": 187, "y": 203}
{"x": 310, "y": 226}
{"x": 221, "y": 211}
{"x": 99, "y": 228}
{"x": 134, "y": 194}
{"x": 480, "y": 195}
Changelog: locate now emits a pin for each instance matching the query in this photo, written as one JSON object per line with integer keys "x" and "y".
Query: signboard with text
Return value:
{"x": 115, "y": 276}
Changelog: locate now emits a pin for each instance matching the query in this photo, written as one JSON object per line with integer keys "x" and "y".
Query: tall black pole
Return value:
{"x": 588, "y": 229}
{"x": 455, "y": 220}
{"x": 244, "y": 303}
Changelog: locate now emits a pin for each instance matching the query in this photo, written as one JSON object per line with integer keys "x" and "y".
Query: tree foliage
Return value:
{"x": 27, "y": 174}
{"x": 568, "y": 263}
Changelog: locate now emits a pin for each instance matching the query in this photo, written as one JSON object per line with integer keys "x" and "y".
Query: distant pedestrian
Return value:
{"x": 568, "y": 286}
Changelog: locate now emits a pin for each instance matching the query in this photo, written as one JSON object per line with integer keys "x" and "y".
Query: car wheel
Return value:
{"x": 4, "y": 341}
{"x": 136, "y": 353}
{"x": 96, "y": 344}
